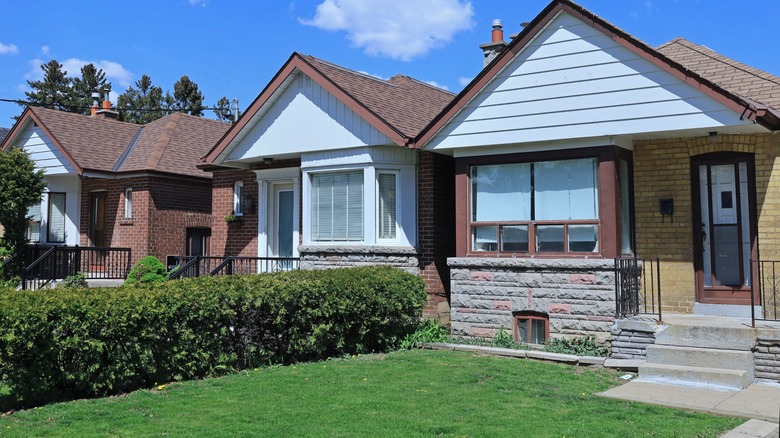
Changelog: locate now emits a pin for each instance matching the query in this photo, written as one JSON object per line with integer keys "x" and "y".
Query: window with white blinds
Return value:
{"x": 387, "y": 205}
{"x": 56, "y": 223}
{"x": 129, "y": 203}
{"x": 337, "y": 206}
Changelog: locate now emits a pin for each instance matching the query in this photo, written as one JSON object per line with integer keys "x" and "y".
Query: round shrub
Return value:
{"x": 148, "y": 270}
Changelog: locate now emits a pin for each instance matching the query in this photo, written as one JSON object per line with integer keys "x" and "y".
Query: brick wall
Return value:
{"x": 233, "y": 238}
{"x": 436, "y": 228}
{"x": 662, "y": 170}
{"x": 163, "y": 209}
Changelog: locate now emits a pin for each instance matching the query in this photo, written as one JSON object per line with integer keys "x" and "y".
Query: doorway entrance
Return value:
{"x": 97, "y": 219}
{"x": 724, "y": 227}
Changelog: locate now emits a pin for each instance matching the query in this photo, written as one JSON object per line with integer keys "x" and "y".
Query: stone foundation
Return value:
{"x": 328, "y": 257}
{"x": 577, "y": 294}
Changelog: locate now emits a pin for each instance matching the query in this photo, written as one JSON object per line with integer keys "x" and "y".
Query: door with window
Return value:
{"x": 97, "y": 218}
{"x": 724, "y": 228}
{"x": 281, "y": 220}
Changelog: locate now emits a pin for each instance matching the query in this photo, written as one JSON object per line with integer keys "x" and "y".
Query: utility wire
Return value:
{"x": 51, "y": 106}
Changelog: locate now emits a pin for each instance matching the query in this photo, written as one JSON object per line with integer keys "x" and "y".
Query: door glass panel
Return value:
{"x": 744, "y": 217}
{"x": 284, "y": 227}
{"x": 726, "y": 248}
{"x": 704, "y": 185}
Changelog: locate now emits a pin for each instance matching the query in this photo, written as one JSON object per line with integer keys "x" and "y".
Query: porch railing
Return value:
{"x": 765, "y": 290}
{"x": 198, "y": 266}
{"x": 58, "y": 262}
{"x": 637, "y": 287}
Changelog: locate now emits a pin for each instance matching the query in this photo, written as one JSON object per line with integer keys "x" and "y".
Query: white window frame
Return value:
{"x": 128, "y": 203}
{"x": 238, "y": 198}
{"x": 397, "y": 174}
{"x": 364, "y": 199}
{"x": 49, "y": 217}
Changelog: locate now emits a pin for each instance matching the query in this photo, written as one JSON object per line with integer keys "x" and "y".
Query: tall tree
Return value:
{"x": 20, "y": 188}
{"x": 223, "y": 110}
{"x": 53, "y": 91}
{"x": 92, "y": 80}
{"x": 142, "y": 104}
{"x": 186, "y": 98}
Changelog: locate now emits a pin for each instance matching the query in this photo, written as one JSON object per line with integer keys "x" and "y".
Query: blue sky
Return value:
{"x": 233, "y": 48}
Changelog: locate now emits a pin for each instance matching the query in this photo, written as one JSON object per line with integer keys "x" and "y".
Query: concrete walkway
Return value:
{"x": 759, "y": 401}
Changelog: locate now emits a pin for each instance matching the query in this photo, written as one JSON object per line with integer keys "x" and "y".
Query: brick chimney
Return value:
{"x": 493, "y": 48}
{"x": 106, "y": 112}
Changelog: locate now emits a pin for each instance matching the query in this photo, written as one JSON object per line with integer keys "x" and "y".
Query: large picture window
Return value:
{"x": 56, "y": 222}
{"x": 539, "y": 207}
{"x": 337, "y": 206}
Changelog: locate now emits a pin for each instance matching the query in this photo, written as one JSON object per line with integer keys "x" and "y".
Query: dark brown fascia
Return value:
{"x": 28, "y": 115}
{"x": 296, "y": 61}
{"x": 730, "y": 100}
{"x": 94, "y": 173}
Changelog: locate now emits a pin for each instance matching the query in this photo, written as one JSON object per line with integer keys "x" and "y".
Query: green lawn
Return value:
{"x": 413, "y": 393}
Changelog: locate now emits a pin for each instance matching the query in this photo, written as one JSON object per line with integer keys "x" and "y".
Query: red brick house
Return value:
{"x": 118, "y": 184}
{"x": 321, "y": 166}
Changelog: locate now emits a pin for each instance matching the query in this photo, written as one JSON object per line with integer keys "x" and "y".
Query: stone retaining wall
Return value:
{"x": 328, "y": 257}
{"x": 767, "y": 356}
{"x": 630, "y": 337}
{"x": 577, "y": 294}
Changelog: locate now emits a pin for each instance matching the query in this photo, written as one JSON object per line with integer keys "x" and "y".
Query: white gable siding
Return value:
{"x": 572, "y": 81}
{"x": 71, "y": 186}
{"x": 305, "y": 118}
{"x": 43, "y": 151}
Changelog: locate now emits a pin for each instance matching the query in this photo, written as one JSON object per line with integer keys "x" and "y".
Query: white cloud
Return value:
{"x": 463, "y": 81}
{"x": 437, "y": 85}
{"x": 198, "y": 2}
{"x": 401, "y": 29}
{"x": 8, "y": 49}
{"x": 45, "y": 50}
{"x": 115, "y": 73}
{"x": 35, "y": 73}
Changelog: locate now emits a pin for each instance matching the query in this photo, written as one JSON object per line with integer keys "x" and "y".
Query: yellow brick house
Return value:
{"x": 577, "y": 145}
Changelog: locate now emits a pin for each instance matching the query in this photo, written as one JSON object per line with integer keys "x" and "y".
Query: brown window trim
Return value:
{"x": 608, "y": 187}
{"x": 528, "y": 316}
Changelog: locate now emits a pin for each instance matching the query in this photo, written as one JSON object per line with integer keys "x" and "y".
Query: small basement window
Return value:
{"x": 531, "y": 327}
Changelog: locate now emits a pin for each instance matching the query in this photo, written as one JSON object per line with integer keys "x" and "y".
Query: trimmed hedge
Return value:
{"x": 70, "y": 343}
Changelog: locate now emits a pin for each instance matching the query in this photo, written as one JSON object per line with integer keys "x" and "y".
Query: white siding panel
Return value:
{"x": 571, "y": 82}
{"x": 71, "y": 186}
{"x": 44, "y": 152}
{"x": 364, "y": 155}
{"x": 306, "y": 118}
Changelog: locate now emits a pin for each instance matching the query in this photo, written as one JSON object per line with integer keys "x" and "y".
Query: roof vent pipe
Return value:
{"x": 498, "y": 32}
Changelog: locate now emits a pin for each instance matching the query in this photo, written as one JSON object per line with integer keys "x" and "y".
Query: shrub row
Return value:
{"x": 66, "y": 343}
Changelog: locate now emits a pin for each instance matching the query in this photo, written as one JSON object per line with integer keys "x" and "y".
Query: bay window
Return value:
{"x": 536, "y": 207}
{"x": 337, "y": 206}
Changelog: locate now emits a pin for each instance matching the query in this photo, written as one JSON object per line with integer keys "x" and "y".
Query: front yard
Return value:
{"x": 414, "y": 393}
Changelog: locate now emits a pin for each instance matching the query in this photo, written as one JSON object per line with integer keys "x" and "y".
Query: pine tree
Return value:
{"x": 53, "y": 91}
{"x": 142, "y": 104}
{"x": 92, "y": 80}
{"x": 223, "y": 111}
{"x": 186, "y": 98}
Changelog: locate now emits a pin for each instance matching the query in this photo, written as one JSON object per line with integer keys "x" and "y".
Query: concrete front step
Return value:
{"x": 696, "y": 357}
{"x": 738, "y": 379}
{"x": 722, "y": 338}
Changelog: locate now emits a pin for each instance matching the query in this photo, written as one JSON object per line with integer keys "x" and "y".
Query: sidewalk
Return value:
{"x": 759, "y": 401}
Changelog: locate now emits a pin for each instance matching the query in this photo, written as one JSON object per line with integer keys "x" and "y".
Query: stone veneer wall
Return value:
{"x": 577, "y": 294}
{"x": 767, "y": 355}
{"x": 327, "y": 257}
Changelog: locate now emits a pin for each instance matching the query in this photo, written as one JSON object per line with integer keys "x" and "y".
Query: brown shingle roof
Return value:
{"x": 743, "y": 80}
{"x": 172, "y": 144}
{"x": 403, "y": 102}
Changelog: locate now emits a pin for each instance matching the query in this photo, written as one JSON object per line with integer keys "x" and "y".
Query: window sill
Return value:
{"x": 126, "y": 221}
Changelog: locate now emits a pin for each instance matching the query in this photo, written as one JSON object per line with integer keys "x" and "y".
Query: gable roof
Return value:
{"x": 748, "y": 108}
{"x": 172, "y": 144}
{"x": 398, "y": 107}
{"x": 743, "y": 80}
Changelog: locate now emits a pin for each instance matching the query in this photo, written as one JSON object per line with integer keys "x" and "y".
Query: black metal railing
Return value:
{"x": 58, "y": 262}
{"x": 637, "y": 287}
{"x": 198, "y": 266}
{"x": 765, "y": 290}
